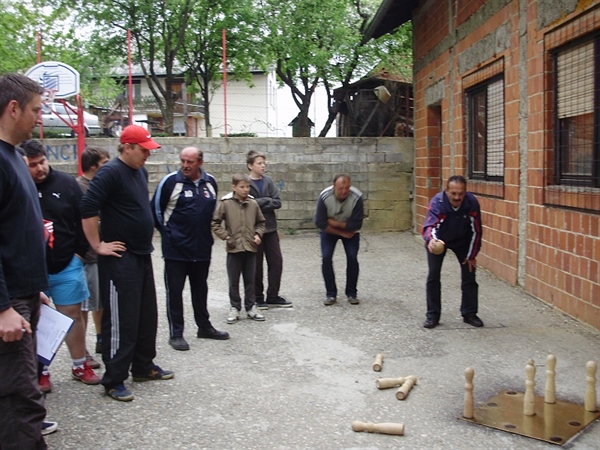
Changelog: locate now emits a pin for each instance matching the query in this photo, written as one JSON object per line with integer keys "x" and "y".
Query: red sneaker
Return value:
{"x": 45, "y": 384}
{"x": 85, "y": 374}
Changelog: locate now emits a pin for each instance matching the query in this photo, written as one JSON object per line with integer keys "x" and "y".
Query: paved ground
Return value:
{"x": 300, "y": 378}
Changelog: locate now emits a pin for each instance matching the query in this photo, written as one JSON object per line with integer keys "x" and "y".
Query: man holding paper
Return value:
{"x": 22, "y": 269}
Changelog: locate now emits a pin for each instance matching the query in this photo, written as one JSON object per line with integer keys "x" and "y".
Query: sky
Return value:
{"x": 287, "y": 111}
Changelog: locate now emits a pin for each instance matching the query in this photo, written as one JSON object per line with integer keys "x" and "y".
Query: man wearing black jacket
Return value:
{"x": 59, "y": 196}
{"x": 22, "y": 269}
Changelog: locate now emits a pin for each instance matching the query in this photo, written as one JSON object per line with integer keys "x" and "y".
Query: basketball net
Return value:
{"x": 49, "y": 95}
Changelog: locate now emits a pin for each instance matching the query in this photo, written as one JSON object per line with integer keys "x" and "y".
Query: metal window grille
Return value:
{"x": 485, "y": 130}
{"x": 577, "y": 155}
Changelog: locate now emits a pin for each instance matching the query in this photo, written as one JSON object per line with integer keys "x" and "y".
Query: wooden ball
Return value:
{"x": 438, "y": 247}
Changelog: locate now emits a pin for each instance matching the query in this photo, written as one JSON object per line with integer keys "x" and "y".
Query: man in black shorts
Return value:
{"x": 119, "y": 194}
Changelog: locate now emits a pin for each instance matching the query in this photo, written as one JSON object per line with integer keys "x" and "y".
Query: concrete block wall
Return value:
{"x": 302, "y": 167}
{"x": 534, "y": 234}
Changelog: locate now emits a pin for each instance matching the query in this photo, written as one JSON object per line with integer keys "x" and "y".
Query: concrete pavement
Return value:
{"x": 299, "y": 379}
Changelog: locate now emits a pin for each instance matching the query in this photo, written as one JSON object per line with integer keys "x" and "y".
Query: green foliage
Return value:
{"x": 240, "y": 135}
{"x": 309, "y": 43}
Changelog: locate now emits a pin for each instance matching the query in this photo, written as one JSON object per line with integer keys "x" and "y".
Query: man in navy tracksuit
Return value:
{"x": 183, "y": 205}
{"x": 454, "y": 217}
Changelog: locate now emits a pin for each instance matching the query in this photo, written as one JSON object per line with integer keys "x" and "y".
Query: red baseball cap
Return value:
{"x": 134, "y": 134}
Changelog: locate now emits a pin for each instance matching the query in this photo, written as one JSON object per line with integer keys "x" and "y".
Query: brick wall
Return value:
{"x": 551, "y": 251}
{"x": 302, "y": 167}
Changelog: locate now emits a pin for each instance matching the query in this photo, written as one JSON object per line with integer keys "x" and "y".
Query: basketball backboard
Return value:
{"x": 59, "y": 80}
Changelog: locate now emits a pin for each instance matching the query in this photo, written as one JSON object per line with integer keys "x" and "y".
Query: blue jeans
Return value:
{"x": 328, "y": 243}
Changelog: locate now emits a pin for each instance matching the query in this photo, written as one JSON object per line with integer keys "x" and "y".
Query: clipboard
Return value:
{"x": 51, "y": 331}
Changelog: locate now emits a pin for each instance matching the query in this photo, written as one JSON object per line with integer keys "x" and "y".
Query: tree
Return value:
{"x": 202, "y": 51}
{"x": 318, "y": 42}
{"x": 158, "y": 30}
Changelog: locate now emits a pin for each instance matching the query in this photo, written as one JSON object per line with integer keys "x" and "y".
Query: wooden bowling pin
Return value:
{"x": 383, "y": 428}
{"x": 589, "y": 403}
{"x": 550, "y": 392}
{"x": 403, "y": 391}
{"x": 386, "y": 383}
{"x": 469, "y": 407}
{"x": 378, "y": 362}
{"x": 529, "y": 398}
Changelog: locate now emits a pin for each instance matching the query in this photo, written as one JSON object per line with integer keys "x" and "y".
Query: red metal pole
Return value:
{"x": 39, "y": 60}
{"x": 130, "y": 84}
{"x": 39, "y": 47}
{"x": 225, "y": 79}
{"x": 80, "y": 131}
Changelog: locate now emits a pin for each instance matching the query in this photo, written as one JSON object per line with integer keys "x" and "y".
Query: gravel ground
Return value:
{"x": 299, "y": 379}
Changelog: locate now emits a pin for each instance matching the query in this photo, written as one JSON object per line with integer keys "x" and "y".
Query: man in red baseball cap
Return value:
{"x": 123, "y": 240}
{"x": 134, "y": 134}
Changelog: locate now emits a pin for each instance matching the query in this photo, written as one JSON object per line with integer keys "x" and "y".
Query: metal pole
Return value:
{"x": 225, "y": 80}
{"x": 130, "y": 84}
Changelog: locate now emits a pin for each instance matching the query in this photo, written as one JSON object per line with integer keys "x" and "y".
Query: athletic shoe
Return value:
{"x": 120, "y": 393}
{"x": 155, "y": 374}
{"x": 179, "y": 343}
{"x": 330, "y": 301}
{"x": 262, "y": 305}
{"x": 253, "y": 314}
{"x": 211, "y": 333}
{"x": 473, "y": 320}
{"x": 85, "y": 374}
{"x": 49, "y": 427}
{"x": 91, "y": 361}
{"x": 353, "y": 300}
{"x": 234, "y": 315}
{"x": 45, "y": 383}
{"x": 279, "y": 302}
{"x": 431, "y": 322}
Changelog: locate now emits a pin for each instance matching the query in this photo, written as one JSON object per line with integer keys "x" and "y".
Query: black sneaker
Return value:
{"x": 179, "y": 343}
{"x": 155, "y": 374}
{"x": 49, "y": 427}
{"x": 431, "y": 322}
{"x": 262, "y": 305}
{"x": 330, "y": 301}
{"x": 279, "y": 302}
{"x": 119, "y": 392}
{"x": 211, "y": 333}
{"x": 473, "y": 320}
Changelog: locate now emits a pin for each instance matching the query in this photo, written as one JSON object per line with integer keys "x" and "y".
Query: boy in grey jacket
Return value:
{"x": 240, "y": 223}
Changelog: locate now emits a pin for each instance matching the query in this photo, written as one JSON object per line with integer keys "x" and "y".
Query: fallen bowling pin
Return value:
{"x": 378, "y": 362}
{"x": 403, "y": 391}
{"x": 383, "y": 428}
{"x": 386, "y": 383}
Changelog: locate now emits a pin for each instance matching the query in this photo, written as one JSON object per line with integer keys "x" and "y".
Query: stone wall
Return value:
{"x": 380, "y": 167}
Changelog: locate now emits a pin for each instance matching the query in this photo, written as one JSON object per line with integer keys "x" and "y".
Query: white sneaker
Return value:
{"x": 234, "y": 315}
{"x": 253, "y": 314}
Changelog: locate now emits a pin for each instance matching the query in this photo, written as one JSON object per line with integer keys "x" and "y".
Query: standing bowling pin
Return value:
{"x": 469, "y": 400}
{"x": 590, "y": 392}
{"x": 550, "y": 392}
{"x": 529, "y": 398}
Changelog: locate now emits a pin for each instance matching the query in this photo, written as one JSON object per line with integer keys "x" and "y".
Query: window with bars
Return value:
{"x": 485, "y": 130}
{"x": 577, "y": 155}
